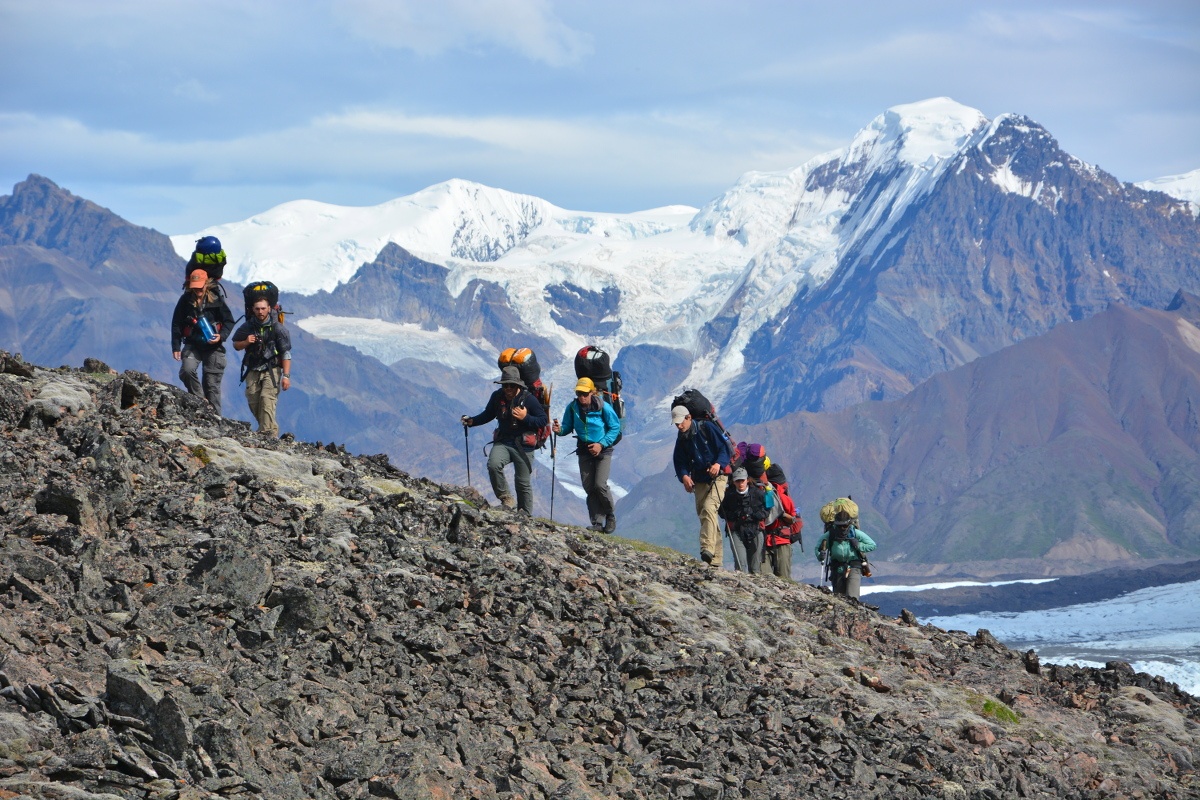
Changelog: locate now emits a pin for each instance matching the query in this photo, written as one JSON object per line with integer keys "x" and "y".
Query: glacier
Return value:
{"x": 1156, "y": 630}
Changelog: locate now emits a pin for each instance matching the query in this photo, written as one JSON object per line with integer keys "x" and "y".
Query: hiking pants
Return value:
{"x": 746, "y": 542}
{"x": 708, "y": 500}
{"x": 501, "y": 456}
{"x": 593, "y": 474}
{"x": 262, "y": 393}
{"x": 847, "y": 579}
{"x": 779, "y": 558}
{"x": 214, "y": 369}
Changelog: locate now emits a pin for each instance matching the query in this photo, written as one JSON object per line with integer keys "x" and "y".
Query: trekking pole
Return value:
{"x": 737, "y": 562}
{"x": 467, "y": 450}
{"x": 553, "y": 470}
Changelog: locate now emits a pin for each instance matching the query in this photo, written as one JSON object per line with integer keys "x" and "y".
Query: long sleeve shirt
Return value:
{"x": 509, "y": 429}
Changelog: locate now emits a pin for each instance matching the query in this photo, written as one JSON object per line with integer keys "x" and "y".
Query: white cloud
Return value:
{"x": 564, "y": 160}
{"x": 528, "y": 27}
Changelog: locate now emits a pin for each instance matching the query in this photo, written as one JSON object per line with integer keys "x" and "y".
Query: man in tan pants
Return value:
{"x": 701, "y": 460}
{"x": 267, "y": 363}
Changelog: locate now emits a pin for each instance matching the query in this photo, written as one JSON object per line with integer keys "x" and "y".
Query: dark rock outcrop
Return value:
{"x": 194, "y": 611}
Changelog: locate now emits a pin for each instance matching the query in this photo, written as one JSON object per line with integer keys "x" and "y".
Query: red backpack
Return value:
{"x": 778, "y": 533}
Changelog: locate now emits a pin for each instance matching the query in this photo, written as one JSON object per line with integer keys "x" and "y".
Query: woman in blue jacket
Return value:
{"x": 596, "y": 428}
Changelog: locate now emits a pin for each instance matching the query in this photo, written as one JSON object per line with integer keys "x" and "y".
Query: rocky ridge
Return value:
{"x": 191, "y": 610}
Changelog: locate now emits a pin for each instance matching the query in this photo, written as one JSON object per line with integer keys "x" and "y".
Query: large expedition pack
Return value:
{"x": 208, "y": 256}
{"x": 593, "y": 363}
{"x": 262, "y": 290}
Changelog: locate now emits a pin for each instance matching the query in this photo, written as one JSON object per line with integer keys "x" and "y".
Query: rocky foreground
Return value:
{"x": 193, "y": 611}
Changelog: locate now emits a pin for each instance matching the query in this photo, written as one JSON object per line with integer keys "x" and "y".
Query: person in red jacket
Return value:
{"x": 783, "y": 531}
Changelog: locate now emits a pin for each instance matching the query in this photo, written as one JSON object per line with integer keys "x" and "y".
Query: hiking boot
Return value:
{"x": 610, "y": 524}
{"x": 597, "y": 525}
{"x": 706, "y": 557}
{"x": 508, "y": 502}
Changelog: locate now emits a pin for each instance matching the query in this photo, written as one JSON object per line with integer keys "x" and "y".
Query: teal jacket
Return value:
{"x": 591, "y": 424}
{"x": 842, "y": 552}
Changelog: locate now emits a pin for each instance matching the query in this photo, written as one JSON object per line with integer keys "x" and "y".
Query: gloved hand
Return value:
{"x": 466, "y": 421}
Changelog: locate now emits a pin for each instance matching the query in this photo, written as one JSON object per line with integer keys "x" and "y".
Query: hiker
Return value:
{"x": 745, "y": 508}
{"x": 701, "y": 458}
{"x": 845, "y": 545}
{"x": 519, "y": 416}
{"x": 783, "y": 531}
{"x": 266, "y": 365}
{"x": 596, "y": 427}
{"x": 200, "y": 325}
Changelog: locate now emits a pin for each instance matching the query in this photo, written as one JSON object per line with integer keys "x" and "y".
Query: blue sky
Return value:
{"x": 179, "y": 114}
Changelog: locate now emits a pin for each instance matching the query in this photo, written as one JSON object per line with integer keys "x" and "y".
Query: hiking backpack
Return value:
{"x": 262, "y": 290}
{"x": 531, "y": 374}
{"x": 526, "y": 363}
{"x": 777, "y": 476}
{"x": 829, "y": 514}
{"x": 593, "y": 363}
{"x": 753, "y": 457}
{"x": 840, "y": 530}
{"x": 208, "y": 256}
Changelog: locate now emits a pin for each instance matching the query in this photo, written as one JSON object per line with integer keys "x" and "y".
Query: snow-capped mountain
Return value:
{"x": 779, "y": 277}
{"x": 674, "y": 268}
{"x": 791, "y": 278}
{"x": 935, "y": 237}
{"x": 1184, "y": 187}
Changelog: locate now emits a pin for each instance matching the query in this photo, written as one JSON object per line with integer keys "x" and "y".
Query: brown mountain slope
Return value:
{"x": 1080, "y": 444}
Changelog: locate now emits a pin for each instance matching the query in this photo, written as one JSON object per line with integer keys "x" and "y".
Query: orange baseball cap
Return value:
{"x": 197, "y": 279}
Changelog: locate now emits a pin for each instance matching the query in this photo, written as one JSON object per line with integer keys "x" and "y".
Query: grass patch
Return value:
{"x": 999, "y": 711}
{"x": 643, "y": 547}
{"x": 201, "y": 452}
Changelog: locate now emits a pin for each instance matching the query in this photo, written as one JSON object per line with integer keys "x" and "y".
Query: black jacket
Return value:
{"x": 185, "y": 326}
{"x": 510, "y": 430}
{"x": 274, "y": 340}
{"x": 744, "y": 510}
